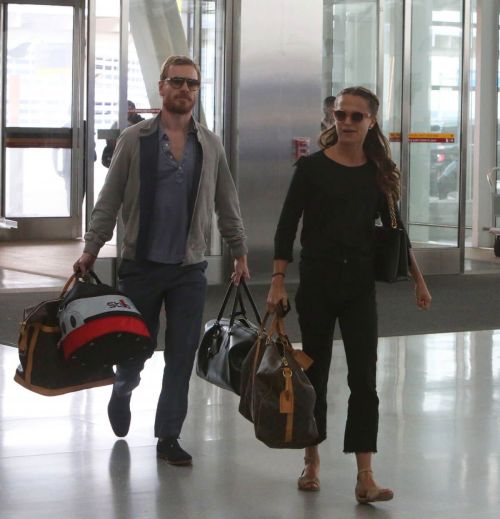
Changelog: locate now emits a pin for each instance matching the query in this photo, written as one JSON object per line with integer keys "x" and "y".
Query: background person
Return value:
{"x": 132, "y": 118}
{"x": 328, "y": 106}
{"x": 168, "y": 175}
{"x": 338, "y": 192}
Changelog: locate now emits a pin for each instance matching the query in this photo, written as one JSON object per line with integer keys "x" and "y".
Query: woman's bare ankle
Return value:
{"x": 311, "y": 456}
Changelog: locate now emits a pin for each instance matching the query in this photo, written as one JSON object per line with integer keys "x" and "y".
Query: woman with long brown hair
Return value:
{"x": 338, "y": 192}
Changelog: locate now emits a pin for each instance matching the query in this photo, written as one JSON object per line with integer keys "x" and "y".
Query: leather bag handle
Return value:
{"x": 224, "y": 302}
{"x": 72, "y": 279}
{"x": 67, "y": 285}
{"x": 242, "y": 311}
{"x": 252, "y": 302}
{"x": 238, "y": 305}
{"x": 235, "y": 312}
{"x": 95, "y": 278}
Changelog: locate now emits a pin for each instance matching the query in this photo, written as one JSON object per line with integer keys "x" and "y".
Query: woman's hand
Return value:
{"x": 277, "y": 293}
{"x": 422, "y": 295}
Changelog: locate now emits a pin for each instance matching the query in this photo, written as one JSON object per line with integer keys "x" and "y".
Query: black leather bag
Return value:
{"x": 390, "y": 261}
{"x": 276, "y": 394}
{"x": 227, "y": 341}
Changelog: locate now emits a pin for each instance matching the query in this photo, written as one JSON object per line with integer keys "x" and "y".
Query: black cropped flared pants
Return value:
{"x": 345, "y": 291}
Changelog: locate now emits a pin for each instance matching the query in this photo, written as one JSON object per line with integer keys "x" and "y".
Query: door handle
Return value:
{"x": 491, "y": 176}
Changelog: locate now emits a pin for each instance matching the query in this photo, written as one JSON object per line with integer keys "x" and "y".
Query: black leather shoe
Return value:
{"x": 168, "y": 449}
{"x": 119, "y": 414}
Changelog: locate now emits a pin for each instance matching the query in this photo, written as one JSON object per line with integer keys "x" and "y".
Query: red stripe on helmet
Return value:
{"x": 99, "y": 327}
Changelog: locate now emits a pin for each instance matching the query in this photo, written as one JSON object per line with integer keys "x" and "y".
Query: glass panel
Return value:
{"x": 498, "y": 100}
{"x": 144, "y": 67}
{"x": 39, "y": 66}
{"x": 187, "y": 12}
{"x": 433, "y": 236}
{"x": 497, "y": 183}
{"x": 354, "y": 41}
{"x": 208, "y": 61}
{"x": 38, "y": 94}
{"x": 392, "y": 77}
{"x": 471, "y": 124}
{"x": 107, "y": 78}
{"x": 37, "y": 182}
{"x": 435, "y": 108}
{"x": 211, "y": 66}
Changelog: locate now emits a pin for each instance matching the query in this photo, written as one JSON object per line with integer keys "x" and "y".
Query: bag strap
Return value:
{"x": 239, "y": 299}
{"x": 73, "y": 278}
{"x": 238, "y": 305}
{"x": 252, "y": 302}
{"x": 392, "y": 210}
{"x": 224, "y": 302}
{"x": 95, "y": 278}
{"x": 67, "y": 285}
{"x": 235, "y": 312}
{"x": 277, "y": 326}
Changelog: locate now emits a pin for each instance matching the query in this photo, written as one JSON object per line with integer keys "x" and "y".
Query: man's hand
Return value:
{"x": 84, "y": 263}
{"x": 240, "y": 270}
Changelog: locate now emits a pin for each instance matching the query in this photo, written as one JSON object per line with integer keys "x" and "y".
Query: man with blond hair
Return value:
{"x": 168, "y": 174}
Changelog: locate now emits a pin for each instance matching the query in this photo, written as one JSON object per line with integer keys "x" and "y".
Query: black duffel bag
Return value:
{"x": 227, "y": 341}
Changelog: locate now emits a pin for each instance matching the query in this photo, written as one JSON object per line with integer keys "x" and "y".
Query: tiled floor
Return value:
{"x": 439, "y": 446}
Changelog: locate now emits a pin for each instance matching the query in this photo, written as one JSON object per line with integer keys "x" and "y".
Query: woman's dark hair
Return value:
{"x": 375, "y": 146}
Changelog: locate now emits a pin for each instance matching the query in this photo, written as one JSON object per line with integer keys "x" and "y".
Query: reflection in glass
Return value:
{"x": 39, "y": 66}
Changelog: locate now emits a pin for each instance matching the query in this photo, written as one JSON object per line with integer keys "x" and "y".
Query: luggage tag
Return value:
{"x": 286, "y": 396}
{"x": 302, "y": 359}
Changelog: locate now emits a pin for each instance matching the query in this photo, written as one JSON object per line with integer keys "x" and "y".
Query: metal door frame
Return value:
{"x": 437, "y": 260}
{"x": 50, "y": 227}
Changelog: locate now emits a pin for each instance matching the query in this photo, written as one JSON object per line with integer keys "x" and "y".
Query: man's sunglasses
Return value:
{"x": 177, "y": 82}
{"x": 356, "y": 117}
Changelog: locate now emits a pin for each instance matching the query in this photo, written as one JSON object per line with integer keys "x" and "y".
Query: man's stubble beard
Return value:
{"x": 172, "y": 105}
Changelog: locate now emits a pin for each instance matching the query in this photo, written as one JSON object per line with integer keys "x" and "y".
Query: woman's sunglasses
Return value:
{"x": 356, "y": 117}
{"x": 177, "y": 82}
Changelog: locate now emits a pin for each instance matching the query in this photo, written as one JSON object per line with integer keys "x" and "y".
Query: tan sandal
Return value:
{"x": 306, "y": 483}
{"x": 372, "y": 494}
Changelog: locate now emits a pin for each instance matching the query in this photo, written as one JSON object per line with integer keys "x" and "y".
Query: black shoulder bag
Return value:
{"x": 390, "y": 261}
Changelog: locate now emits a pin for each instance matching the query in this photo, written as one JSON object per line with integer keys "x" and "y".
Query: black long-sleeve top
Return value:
{"x": 339, "y": 205}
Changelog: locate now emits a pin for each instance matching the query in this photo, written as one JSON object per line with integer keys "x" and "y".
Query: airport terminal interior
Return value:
{"x": 75, "y": 73}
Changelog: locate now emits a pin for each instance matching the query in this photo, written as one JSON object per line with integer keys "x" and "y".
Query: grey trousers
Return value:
{"x": 182, "y": 290}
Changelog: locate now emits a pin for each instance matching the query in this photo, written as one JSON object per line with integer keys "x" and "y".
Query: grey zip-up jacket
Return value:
{"x": 131, "y": 171}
